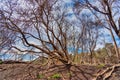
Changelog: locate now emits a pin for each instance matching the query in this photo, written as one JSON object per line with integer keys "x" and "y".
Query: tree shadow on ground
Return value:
{"x": 73, "y": 72}
{"x": 31, "y": 71}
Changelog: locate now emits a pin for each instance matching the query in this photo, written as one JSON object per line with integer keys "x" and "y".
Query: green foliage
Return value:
{"x": 102, "y": 53}
{"x": 56, "y": 76}
{"x": 100, "y": 65}
{"x": 40, "y": 76}
{"x": 1, "y": 61}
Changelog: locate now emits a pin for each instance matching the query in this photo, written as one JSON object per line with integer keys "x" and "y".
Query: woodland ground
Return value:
{"x": 30, "y": 71}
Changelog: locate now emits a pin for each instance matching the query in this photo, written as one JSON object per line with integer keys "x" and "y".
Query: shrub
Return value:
{"x": 56, "y": 76}
{"x": 1, "y": 61}
{"x": 40, "y": 76}
{"x": 100, "y": 65}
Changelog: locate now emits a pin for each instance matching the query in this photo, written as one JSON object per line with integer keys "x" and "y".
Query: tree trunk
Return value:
{"x": 91, "y": 56}
{"x": 115, "y": 45}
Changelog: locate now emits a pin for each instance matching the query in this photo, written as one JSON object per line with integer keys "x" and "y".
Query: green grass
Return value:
{"x": 100, "y": 65}
{"x": 56, "y": 76}
{"x": 40, "y": 76}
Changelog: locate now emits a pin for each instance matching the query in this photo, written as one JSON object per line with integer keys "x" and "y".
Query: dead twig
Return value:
{"x": 105, "y": 74}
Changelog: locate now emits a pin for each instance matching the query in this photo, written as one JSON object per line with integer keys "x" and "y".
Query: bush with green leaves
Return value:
{"x": 100, "y": 65}
{"x": 1, "y": 61}
{"x": 40, "y": 76}
{"x": 56, "y": 76}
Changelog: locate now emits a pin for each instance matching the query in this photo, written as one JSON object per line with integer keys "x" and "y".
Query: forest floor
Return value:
{"x": 29, "y": 71}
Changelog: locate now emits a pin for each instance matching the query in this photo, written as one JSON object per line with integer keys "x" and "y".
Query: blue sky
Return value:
{"x": 105, "y": 32}
{"x": 70, "y": 15}
{"x": 25, "y": 57}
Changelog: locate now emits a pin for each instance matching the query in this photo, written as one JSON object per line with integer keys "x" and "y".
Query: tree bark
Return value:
{"x": 115, "y": 45}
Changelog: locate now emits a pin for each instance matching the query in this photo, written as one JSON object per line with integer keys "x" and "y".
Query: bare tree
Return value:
{"x": 91, "y": 27}
{"x": 106, "y": 13}
{"x": 44, "y": 23}
{"x": 7, "y": 37}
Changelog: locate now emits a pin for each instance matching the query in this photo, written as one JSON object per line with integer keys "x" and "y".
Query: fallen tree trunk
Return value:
{"x": 107, "y": 73}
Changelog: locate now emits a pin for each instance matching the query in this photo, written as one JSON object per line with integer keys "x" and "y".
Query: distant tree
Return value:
{"x": 105, "y": 14}
{"x": 90, "y": 27}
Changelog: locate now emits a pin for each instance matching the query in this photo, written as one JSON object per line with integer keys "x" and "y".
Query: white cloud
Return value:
{"x": 67, "y": 1}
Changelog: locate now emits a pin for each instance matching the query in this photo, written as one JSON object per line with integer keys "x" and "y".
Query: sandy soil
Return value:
{"x": 26, "y": 71}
